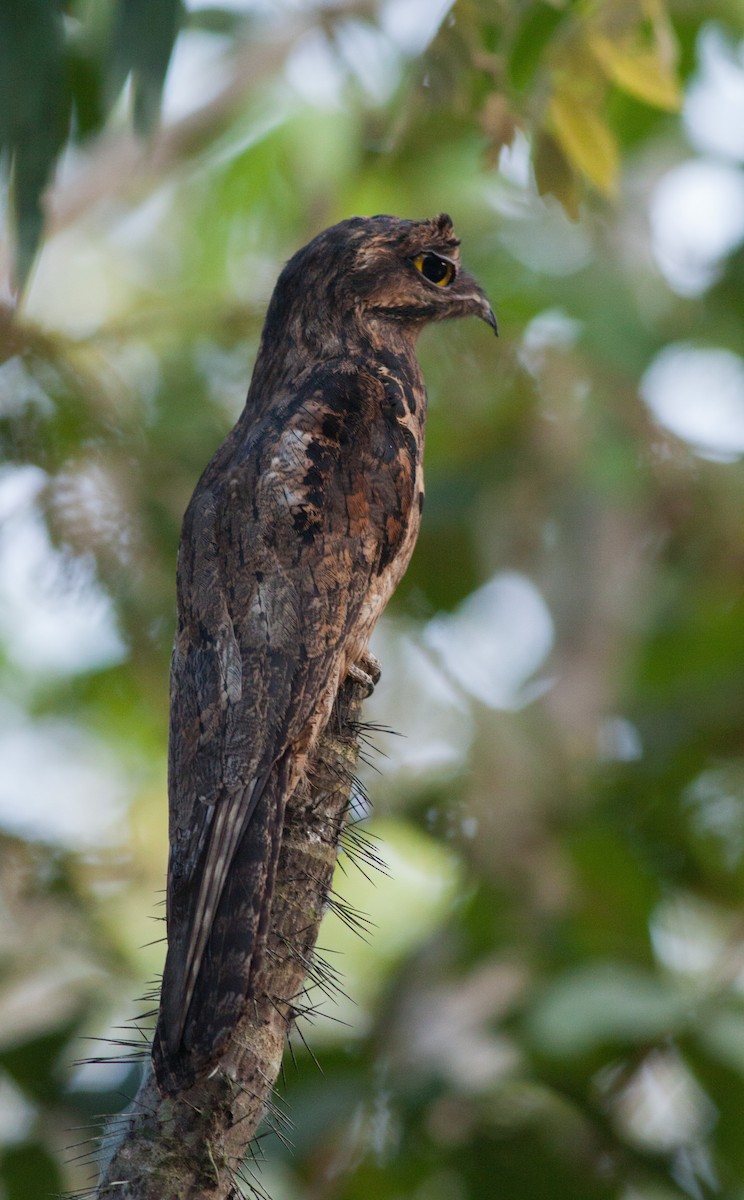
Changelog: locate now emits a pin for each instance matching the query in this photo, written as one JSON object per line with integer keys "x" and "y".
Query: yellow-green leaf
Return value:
{"x": 640, "y": 72}
{"x": 555, "y": 175}
{"x": 586, "y": 140}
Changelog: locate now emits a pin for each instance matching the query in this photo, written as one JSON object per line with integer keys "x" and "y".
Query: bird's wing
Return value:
{"x": 282, "y": 543}
{"x": 233, "y": 673}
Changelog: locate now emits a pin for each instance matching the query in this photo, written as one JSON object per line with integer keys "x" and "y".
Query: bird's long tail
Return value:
{"x": 206, "y": 984}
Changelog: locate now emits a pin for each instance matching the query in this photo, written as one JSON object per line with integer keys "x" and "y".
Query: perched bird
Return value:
{"x": 296, "y": 536}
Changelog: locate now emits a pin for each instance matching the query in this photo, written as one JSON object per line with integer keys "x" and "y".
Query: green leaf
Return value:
{"x": 34, "y": 112}
{"x": 30, "y": 1173}
{"x": 34, "y": 1064}
{"x": 85, "y": 84}
{"x": 723, "y": 1036}
{"x": 554, "y": 174}
{"x": 226, "y": 21}
{"x": 142, "y": 40}
{"x": 638, "y": 71}
{"x": 605, "y": 1002}
{"x": 586, "y": 140}
{"x": 535, "y": 34}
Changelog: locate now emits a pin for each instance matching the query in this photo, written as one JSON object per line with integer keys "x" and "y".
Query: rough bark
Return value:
{"x": 193, "y": 1147}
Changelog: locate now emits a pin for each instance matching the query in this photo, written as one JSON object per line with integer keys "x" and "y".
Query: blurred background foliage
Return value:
{"x": 551, "y": 998}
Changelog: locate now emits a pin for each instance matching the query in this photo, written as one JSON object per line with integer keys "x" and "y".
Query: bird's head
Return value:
{"x": 409, "y": 272}
{"x": 381, "y": 275}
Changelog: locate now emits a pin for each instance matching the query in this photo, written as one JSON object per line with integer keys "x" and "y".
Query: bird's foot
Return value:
{"x": 366, "y": 672}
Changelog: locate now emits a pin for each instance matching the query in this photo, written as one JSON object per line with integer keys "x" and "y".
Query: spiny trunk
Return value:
{"x": 193, "y": 1147}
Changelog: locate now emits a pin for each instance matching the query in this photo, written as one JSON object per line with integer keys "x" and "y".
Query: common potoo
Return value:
{"x": 298, "y": 532}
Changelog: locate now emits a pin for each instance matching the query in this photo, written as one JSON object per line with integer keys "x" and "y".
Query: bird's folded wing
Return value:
{"x": 279, "y": 553}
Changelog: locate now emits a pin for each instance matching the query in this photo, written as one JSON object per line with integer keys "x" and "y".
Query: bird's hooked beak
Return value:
{"x": 475, "y": 301}
{"x": 489, "y": 316}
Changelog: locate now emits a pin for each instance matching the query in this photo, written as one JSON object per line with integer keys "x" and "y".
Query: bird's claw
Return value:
{"x": 366, "y": 672}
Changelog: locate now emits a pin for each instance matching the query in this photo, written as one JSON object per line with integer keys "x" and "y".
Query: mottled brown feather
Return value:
{"x": 296, "y": 535}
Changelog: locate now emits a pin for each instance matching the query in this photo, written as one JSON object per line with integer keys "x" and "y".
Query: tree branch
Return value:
{"x": 193, "y": 1147}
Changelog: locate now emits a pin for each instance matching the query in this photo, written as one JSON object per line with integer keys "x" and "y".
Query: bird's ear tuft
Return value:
{"x": 443, "y": 232}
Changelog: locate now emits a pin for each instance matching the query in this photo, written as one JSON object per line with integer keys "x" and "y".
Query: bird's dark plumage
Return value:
{"x": 298, "y": 532}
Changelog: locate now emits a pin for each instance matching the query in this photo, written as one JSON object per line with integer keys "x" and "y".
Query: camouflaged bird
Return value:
{"x": 296, "y": 536}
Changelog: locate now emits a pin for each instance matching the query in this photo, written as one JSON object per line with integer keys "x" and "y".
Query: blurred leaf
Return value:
{"x": 585, "y": 138}
{"x": 723, "y": 1036}
{"x": 643, "y": 73}
{"x": 605, "y": 1003}
{"x": 142, "y": 40}
{"x": 536, "y": 32}
{"x": 217, "y": 19}
{"x": 34, "y": 111}
{"x": 497, "y": 122}
{"x": 30, "y": 1173}
{"x": 34, "y": 1065}
{"x": 619, "y": 893}
{"x": 534, "y": 1134}
{"x": 85, "y": 84}
{"x": 554, "y": 174}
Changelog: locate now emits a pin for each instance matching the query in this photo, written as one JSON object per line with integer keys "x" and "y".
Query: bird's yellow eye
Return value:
{"x": 437, "y": 270}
